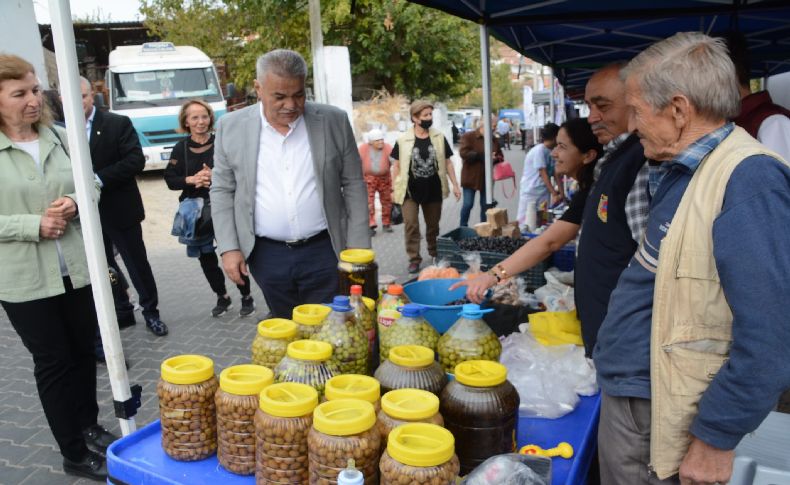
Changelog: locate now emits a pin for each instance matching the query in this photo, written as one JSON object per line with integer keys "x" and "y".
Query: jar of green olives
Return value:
{"x": 349, "y": 342}
{"x": 309, "y": 318}
{"x": 470, "y": 338}
{"x": 307, "y": 362}
{"x": 365, "y": 314}
{"x": 271, "y": 341}
{"x": 410, "y": 329}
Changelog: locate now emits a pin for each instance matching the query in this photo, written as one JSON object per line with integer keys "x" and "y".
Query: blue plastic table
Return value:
{"x": 139, "y": 458}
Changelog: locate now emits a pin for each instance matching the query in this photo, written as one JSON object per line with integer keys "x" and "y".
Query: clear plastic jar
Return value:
{"x": 282, "y": 422}
{"x": 349, "y": 342}
{"x": 308, "y": 319}
{"x": 271, "y": 341}
{"x": 470, "y": 338}
{"x": 307, "y": 362}
{"x": 364, "y": 312}
{"x": 419, "y": 453}
{"x": 407, "y": 406}
{"x": 411, "y": 366}
{"x": 237, "y": 401}
{"x": 354, "y": 386}
{"x": 388, "y": 308}
{"x": 358, "y": 267}
{"x": 409, "y": 329}
{"x": 186, "y": 407}
{"x": 480, "y": 408}
{"x": 343, "y": 429}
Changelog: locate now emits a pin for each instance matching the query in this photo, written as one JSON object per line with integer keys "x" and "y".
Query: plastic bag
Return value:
{"x": 474, "y": 261}
{"x": 549, "y": 380}
{"x": 556, "y": 328}
{"x": 511, "y": 469}
{"x": 555, "y": 295}
{"x": 441, "y": 270}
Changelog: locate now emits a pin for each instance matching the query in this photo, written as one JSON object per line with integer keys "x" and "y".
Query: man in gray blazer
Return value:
{"x": 287, "y": 193}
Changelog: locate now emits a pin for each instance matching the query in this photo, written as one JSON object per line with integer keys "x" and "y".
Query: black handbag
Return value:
{"x": 396, "y": 214}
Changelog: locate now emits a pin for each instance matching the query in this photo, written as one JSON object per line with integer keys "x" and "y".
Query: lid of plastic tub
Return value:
{"x": 473, "y": 311}
{"x": 411, "y": 355}
{"x": 187, "y": 369}
{"x": 410, "y": 404}
{"x": 309, "y": 350}
{"x": 344, "y": 417}
{"x": 278, "y": 328}
{"x": 353, "y": 386}
{"x": 341, "y": 303}
{"x": 421, "y": 444}
{"x": 480, "y": 373}
{"x": 357, "y": 256}
{"x": 245, "y": 379}
{"x": 395, "y": 289}
{"x": 310, "y": 314}
{"x": 288, "y": 399}
{"x": 411, "y": 310}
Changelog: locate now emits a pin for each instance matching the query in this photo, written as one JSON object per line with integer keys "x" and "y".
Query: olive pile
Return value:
{"x": 329, "y": 455}
{"x": 236, "y": 430}
{"x": 471, "y": 344}
{"x": 498, "y": 244}
{"x": 460, "y": 301}
{"x": 188, "y": 419}
{"x": 408, "y": 331}
{"x": 313, "y": 373}
{"x": 281, "y": 448}
{"x": 395, "y": 473}
{"x": 349, "y": 343}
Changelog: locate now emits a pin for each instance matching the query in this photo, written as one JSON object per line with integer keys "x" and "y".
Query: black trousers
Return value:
{"x": 129, "y": 241}
{"x": 123, "y": 307}
{"x": 58, "y": 331}
{"x": 291, "y": 276}
{"x": 209, "y": 263}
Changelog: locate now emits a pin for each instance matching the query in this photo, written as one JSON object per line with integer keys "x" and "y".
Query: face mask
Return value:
{"x": 425, "y": 124}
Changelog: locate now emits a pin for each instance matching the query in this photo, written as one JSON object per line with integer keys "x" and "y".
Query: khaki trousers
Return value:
{"x": 431, "y": 212}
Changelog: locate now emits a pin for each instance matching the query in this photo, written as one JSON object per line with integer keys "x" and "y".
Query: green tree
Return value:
{"x": 504, "y": 93}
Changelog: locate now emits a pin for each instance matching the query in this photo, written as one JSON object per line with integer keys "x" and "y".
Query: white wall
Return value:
{"x": 337, "y": 66}
{"x": 19, "y": 35}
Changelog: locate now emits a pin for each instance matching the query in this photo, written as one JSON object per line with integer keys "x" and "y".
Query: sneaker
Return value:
{"x": 247, "y": 306}
{"x": 156, "y": 326}
{"x": 93, "y": 466}
{"x": 223, "y": 305}
{"x": 372, "y": 231}
{"x": 414, "y": 268}
{"x": 387, "y": 228}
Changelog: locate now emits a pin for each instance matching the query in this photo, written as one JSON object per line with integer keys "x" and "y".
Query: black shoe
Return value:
{"x": 372, "y": 231}
{"x": 126, "y": 321}
{"x": 223, "y": 305}
{"x": 93, "y": 466}
{"x": 387, "y": 228}
{"x": 156, "y": 326}
{"x": 247, "y": 306}
{"x": 414, "y": 268}
{"x": 98, "y": 439}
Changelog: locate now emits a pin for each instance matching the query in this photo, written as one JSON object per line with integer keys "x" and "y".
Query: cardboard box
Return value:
{"x": 486, "y": 229}
{"x": 497, "y": 217}
{"x": 511, "y": 230}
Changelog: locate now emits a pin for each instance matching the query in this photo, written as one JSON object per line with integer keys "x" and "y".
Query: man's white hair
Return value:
{"x": 692, "y": 64}
{"x": 281, "y": 62}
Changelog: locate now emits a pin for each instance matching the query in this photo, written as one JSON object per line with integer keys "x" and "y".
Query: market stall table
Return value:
{"x": 139, "y": 458}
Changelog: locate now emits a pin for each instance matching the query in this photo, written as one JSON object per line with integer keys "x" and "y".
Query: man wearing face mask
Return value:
{"x": 421, "y": 166}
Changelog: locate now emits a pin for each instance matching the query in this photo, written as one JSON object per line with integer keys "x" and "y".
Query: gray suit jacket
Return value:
{"x": 337, "y": 169}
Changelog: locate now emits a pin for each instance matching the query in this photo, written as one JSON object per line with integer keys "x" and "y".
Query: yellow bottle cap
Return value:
{"x": 480, "y": 373}
{"x": 344, "y": 417}
{"x": 310, "y": 314}
{"x": 357, "y": 256}
{"x": 410, "y": 404}
{"x": 288, "y": 400}
{"x": 370, "y": 303}
{"x": 309, "y": 350}
{"x": 353, "y": 386}
{"x": 411, "y": 355}
{"x": 187, "y": 369}
{"x": 421, "y": 444}
{"x": 246, "y": 379}
{"x": 279, "y": 328}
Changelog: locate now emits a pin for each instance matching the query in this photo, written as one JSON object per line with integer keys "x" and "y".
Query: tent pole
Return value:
{"x": 68, "y": 74}
{"x": 552, "y": 93}
{"x": 486, "y": 70}
{"x": 317, "y": 51}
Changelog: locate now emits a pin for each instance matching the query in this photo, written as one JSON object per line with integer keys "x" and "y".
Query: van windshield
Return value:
{"x": 163, "y": 88}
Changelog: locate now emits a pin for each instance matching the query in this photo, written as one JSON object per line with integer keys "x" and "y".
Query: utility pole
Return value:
{"x": 317, "y": 51}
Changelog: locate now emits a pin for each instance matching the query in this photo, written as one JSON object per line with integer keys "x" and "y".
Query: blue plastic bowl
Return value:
{"x": 434, "y": 294}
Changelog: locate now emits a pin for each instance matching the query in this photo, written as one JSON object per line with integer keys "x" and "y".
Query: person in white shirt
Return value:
{"x": 503, "y": 130}
{"x": 536, "y": 187}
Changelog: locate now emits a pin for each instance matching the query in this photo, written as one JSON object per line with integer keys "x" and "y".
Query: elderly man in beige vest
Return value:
{"x": 693, "y": 352}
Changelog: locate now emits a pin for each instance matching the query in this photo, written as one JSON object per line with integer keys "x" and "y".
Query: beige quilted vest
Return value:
{"x": 405, "y": 146}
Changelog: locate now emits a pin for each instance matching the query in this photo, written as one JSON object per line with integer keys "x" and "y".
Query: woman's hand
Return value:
{"x": 476, "y": 287}
{"x": 51, "y": 227}
{"x": 63, "y": 208}
{"x": 457, "y": 192}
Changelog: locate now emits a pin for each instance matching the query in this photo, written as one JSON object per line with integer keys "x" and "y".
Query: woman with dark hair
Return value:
{"x": 189, "y": 171}
{"x": 575, "y": 154}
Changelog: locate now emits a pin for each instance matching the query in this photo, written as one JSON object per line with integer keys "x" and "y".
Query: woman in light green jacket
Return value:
{"x": 44, "y": 284}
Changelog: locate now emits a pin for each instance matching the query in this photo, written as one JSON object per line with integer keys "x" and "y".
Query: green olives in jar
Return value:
{"x": 307, "y": 362}
{"x": 271, "y": 341}
{"x": 470, "y": 338}
{"x": 349, "y": 342}
{"x": 409, "y": 329}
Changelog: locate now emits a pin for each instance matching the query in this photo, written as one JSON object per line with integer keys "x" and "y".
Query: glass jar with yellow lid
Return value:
{"x": 237, "y": 401}
{"x": 271, "y": 341}
{"x": 411, "y": 366}
{"x": 282, "y": 422}
{"x": 307, "y": 362}
{"x": 354, "y": 386}
{"x": 407, "y": 406}
{"x": 358, "y": 267}
{"x": 187, "y": 411}
{"x": 308, "y": 319}
{"x": 419, "y": 453}
{"x": 344, "y": 429}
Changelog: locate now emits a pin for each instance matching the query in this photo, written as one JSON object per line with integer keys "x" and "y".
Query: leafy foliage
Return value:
{"x": 504, "y": 93}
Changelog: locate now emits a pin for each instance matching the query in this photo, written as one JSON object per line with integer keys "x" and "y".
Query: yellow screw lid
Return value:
{"x": 187, "y": 369}
{"x": 410, "y": 404}
{"x": 288, "y": 400}
{"x": 344, "y": 417}
{"x": 278, "y": 328}
{"x": 353, "y": 386}
{"x": 357, "y": 256}
{"x": 421, "y": 444}
{"x": 246, "y": 379}
{"x": 310, "y": 314}
{"x": 309, "y": 350}
{"x": 370, "y": 303}
{"x": 480, "y": 373}
{"x": 411, "y": 355}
